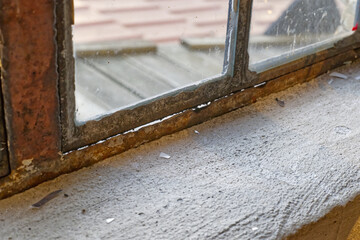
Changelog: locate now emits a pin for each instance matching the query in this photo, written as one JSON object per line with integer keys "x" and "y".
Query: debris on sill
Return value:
{"x": 342, "y": 130}
{"x": 338, "y": 75}
{"x": 280, "y": 102}
{"x": 164, "y": 155}
{"x": 260, "y": 85}
{"x": 46, "y": 199}
{"x": 109, "y": 220}
{"x": 196, "y": 131}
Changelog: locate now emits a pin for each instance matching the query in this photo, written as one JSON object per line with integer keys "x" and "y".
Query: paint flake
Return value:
{"x": 255, "y": 228}
{"x": 280, "y": 102}
{"x": 164, "y": 155}
{"x": 46, "y": 199}
{"x": 196, "y": 131}
{"x": 338, "y": 75}
{"x": 109, "y": 220}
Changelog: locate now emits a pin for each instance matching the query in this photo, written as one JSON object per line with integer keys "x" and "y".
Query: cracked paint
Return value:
{"x": 27, "y": 165}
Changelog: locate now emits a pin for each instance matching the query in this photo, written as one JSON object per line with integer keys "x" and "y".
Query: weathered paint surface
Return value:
{"x": 30, "y": 80}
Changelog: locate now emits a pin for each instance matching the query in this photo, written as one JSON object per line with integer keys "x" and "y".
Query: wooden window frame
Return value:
{"x": 37, "y": 80}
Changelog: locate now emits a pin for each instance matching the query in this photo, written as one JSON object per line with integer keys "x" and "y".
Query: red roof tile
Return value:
{"x": 164, "y": 20}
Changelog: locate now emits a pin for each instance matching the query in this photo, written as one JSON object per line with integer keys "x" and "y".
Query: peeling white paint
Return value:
{"x": 27, "y": 164}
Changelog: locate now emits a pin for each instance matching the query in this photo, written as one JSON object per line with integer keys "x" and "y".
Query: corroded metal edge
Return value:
{"x": 29, "y": 81}
{"x": 31, "y": 174}
{"x": 241, "y": 64}
{"x": 4, "y": 158}
{"x": 66, "y": 69}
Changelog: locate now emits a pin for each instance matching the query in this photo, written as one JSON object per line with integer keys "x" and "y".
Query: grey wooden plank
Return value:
{"x": 157, "y": 65}
{"x": 126, "y": 74}
{"x": 196, "y": 62}
{"x": 103, "y": 90}
{"x": 203, "y": 43}
{"x": 114, "y": 48}
{"x": 114, "y": 81}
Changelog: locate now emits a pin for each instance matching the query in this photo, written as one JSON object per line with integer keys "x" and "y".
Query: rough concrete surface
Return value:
{"x": 260, "y": 172}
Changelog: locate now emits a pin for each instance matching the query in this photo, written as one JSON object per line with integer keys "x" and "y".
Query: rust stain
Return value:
{"x": 30, "y": 79}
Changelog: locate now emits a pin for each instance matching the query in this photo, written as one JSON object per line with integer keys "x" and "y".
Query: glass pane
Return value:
{"x": 284, "y": 30}
{"x": 127, "y": 52}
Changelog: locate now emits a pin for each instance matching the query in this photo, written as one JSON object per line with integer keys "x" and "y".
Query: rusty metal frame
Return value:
{"x": 29, "y": 80}
{"x": 38, "y": 88}
{"x": 29, "y": 83}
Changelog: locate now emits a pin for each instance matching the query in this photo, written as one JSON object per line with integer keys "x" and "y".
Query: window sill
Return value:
{"x": 262, "y": 171}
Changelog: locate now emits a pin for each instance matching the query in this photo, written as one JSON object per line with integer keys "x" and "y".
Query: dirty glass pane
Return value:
{"x": 127, "y": 52}
{"x": 284, "y": 30}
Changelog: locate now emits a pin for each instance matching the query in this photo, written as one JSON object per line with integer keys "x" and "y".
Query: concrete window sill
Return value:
{"x": 260, "y": 172}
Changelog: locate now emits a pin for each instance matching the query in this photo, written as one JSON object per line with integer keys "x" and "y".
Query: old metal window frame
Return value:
{"x": 38, "y": 91}
{"x": 78, "y": 135}
{"x": 235, "y": 79}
